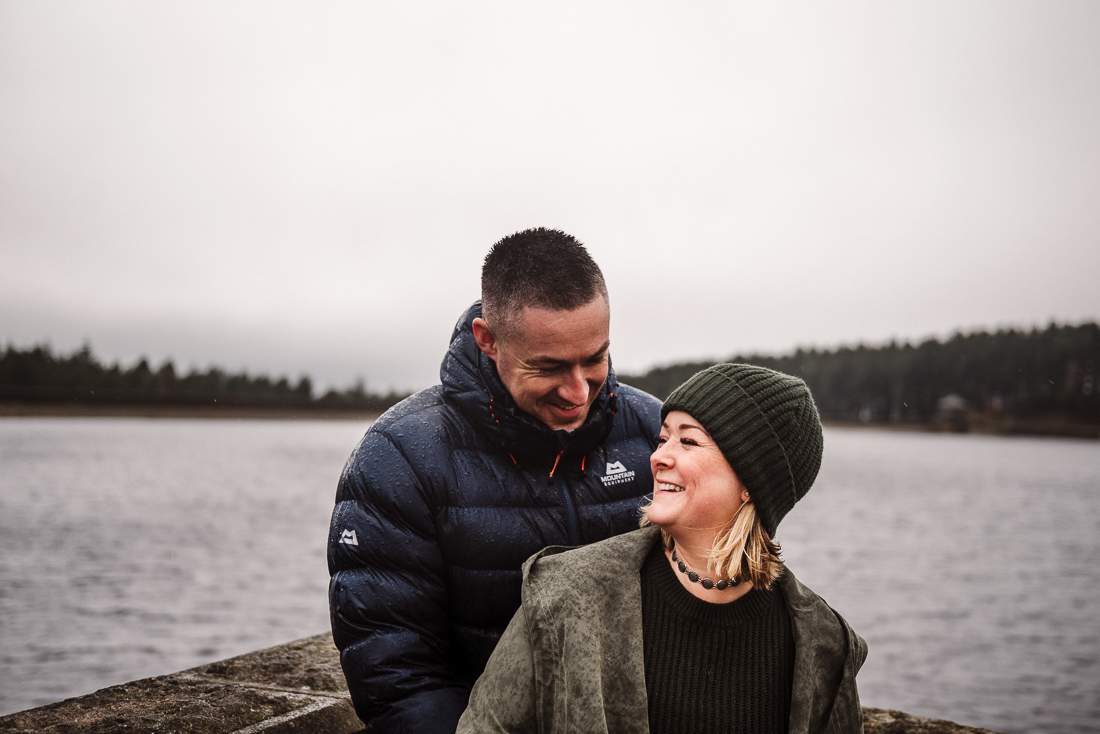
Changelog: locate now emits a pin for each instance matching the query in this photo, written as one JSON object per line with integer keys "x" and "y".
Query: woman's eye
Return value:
{"x": 661, "y": 440}
{"x": 689, "y": 442}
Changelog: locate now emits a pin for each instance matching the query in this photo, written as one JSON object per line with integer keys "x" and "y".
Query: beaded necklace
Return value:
{"x": 694, "y": 577}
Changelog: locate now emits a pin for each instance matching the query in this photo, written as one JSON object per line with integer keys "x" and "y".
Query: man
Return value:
{"x": 529, "y": 441}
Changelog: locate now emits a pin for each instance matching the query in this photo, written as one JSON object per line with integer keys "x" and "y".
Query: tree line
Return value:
{"x": 1050, "y": 374}
{"x": 38, "y": 375}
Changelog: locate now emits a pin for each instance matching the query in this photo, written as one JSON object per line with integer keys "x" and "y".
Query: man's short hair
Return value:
{"x": 540, "y": 267}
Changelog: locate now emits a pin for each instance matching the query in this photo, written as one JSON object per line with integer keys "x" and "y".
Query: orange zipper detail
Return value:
{"x": 556, "y": 460}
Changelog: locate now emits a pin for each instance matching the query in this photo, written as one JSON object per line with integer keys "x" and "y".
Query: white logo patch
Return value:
{"x": 616, "y": 474}
{"x": 348, "y": 537}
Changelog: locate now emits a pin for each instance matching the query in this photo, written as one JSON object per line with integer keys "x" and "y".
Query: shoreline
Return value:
{"x": 12, "y": 409}
{"x": 982, "y": 426}
{"x": 977, "y": 424}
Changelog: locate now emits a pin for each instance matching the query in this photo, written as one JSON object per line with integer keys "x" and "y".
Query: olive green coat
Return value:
{"x": 571, "y": 659}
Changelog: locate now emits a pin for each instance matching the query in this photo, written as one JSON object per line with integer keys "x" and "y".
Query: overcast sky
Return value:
{"x": 309, "y": 187}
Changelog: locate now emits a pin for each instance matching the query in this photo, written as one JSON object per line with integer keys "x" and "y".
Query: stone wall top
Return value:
{"x": 293, "y": 688}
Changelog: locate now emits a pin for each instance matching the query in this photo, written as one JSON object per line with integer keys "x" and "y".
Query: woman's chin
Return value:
{"x": 661, "y": 516}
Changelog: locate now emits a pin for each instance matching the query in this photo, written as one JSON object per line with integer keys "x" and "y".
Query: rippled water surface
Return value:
{"x": 136, "y": 547}
{"x": 971, "y": 564}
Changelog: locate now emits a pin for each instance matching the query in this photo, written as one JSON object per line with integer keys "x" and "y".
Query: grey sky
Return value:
{"x": 310, "y": 187}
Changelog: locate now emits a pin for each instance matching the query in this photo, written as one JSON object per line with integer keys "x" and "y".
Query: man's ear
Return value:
{"x": 486, "y": 341}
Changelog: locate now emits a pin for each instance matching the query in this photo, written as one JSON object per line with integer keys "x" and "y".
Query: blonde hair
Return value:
{"x": 742, "y": 549}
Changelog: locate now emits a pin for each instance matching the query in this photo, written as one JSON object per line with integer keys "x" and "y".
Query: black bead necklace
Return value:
{"x": 694, "y": 577}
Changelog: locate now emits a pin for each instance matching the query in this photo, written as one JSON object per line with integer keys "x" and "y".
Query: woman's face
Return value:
{"x": 694, "y": 487}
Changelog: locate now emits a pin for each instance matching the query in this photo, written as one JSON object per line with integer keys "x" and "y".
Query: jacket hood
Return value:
{"x": 471, "y": 382}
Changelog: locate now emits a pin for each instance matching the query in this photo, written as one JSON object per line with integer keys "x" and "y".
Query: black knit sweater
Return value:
{"x": 714, "y": 667}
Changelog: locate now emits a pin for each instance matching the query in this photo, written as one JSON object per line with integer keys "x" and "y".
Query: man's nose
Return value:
{"x": 574, "y": 388}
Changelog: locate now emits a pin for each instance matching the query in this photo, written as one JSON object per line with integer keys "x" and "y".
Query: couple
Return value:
{"x": 689, "y": 624}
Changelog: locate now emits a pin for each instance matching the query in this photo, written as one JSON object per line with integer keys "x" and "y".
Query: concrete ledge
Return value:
{"x": 297, "y": 687}
{"x": 886, "y": 721}
{"x": 294, "y": 688}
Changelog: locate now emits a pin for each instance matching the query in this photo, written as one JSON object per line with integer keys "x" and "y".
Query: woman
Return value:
{"x": 691, "y": 624}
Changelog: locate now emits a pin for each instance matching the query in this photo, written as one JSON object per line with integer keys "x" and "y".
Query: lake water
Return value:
{"x": 136, "y": 547}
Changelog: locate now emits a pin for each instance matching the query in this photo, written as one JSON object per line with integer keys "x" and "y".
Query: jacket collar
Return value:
{"x": 470, "y": 380}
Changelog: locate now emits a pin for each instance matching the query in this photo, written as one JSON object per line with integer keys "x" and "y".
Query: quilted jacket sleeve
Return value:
{"x": 387, "y": 597}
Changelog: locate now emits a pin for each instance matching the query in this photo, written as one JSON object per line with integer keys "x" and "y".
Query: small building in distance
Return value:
{"x": 952, "y": 414}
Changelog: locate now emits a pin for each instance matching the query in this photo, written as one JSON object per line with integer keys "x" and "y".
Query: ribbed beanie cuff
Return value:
{"x": 765, "y": 424}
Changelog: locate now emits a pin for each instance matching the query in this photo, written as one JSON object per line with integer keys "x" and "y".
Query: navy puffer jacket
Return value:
{"x": 445, "y": 497}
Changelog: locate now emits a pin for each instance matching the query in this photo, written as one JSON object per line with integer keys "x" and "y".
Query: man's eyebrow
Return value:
{"x": 596, "y": 355}
{"x": 599, "y": 352}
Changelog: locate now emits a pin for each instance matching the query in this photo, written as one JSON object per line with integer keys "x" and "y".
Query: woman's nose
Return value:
{"x": 662, "y": 457}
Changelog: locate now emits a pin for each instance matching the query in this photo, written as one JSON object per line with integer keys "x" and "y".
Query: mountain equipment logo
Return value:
{"x": 616, "y": 474}
{"x": 348, "y": 537}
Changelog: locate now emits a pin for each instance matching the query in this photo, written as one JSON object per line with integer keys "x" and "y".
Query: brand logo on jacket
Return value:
{"x": 348, "y": 538}
{"x": 616, "y": 474}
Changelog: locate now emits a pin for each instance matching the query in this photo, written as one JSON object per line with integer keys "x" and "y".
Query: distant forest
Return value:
{"x": 1043, "y": 380}
{"x": 37, "y": 375}
{"x": 1028, "y": 378}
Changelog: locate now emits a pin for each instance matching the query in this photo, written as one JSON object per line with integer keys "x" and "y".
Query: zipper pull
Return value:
{"x": 554, "y": 468}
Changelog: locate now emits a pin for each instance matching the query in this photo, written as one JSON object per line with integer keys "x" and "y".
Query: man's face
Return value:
{"x": 555, "y": 363}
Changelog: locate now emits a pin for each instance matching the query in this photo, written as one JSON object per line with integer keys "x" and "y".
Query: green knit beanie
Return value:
{"x": 767, "y": 427}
